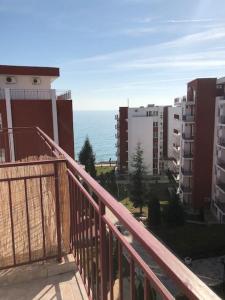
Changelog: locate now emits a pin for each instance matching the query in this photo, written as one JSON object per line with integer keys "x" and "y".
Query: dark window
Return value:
{"x": 176, "y": 116}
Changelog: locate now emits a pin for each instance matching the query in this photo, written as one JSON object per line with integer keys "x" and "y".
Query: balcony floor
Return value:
{"x": 48, "y": 281}
{"x": 66, "y": 286}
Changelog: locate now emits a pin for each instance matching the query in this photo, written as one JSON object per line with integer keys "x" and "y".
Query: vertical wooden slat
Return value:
{"x": 91, "y": 247}
{"x": 42, "y": 218}
{"x": 28, "y": 221}
{"x": 57, "y": 206}
{"x": 12, "y": 223}
{"x": 87, "y": 244}
{"x": 96, "y": 254}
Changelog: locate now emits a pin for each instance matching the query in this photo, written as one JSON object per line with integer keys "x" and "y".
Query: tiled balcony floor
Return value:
{"x": 67, "y": 286}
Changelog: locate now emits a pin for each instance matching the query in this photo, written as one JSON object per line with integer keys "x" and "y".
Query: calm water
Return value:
{"x": 99, "y": 126}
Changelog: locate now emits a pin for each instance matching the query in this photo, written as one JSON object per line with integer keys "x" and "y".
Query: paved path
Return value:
{"x": 66, "y": 286}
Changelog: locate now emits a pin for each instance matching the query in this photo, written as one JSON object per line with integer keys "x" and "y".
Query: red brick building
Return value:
{"x": 28, "y": 100}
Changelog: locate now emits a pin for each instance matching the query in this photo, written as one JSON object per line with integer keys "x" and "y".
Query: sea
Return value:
{"x": 99, "y": 127}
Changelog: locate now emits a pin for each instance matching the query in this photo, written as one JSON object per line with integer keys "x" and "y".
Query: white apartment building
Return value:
{"x": 174, "y": 136}
{"x": 145, "y": 126}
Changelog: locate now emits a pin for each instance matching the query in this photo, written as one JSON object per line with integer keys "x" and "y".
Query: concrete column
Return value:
{"x": 9, "y": 124}
{"x": 54, "y": 117}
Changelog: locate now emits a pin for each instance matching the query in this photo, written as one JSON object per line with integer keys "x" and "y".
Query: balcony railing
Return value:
{"x": 222, "y": 120}
{"x": 188, "y": 118}
{"x": 116, "y": 117}
{"x": 38, "y": 94}
{"x": 221, "y": 163}
{"x": 186, "y": 172}
{"x": 221, "y": 185}
{"x": 102, "y": 252}
{"x": 187, "y": 137}
{"x": 186, "y": 189}
{"x": 187, "y": 155}
{"x": 221, "y": 142}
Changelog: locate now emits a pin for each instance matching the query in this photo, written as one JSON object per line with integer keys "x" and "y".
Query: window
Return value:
{"x": 155, "y": 124}
{"x": 176, "y": 116}
{"x": 155, "y": 134}
{"x": 2, "y": 155}
{"x": 155, "y": 155}
{"x": 155, "y": 165}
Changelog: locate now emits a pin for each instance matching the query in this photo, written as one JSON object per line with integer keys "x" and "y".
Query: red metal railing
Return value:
{"x": 108, "y": 261}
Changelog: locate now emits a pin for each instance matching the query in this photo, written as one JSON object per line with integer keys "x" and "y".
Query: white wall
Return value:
{"x": 140, "y": 130}
{"x": 26, "y": 82}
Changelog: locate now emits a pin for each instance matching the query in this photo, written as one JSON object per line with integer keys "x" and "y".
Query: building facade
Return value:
{"x": 28, "y": 100}
{"x": 147, "y": 126}
{"x": 174, "y": 136}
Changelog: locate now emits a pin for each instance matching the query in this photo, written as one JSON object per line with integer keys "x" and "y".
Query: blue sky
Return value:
{"x": 112, "y": 50}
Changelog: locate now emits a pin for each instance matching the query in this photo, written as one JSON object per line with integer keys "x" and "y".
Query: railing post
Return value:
{"x": 57, "y": 207}
{"x": 103, "y": 249}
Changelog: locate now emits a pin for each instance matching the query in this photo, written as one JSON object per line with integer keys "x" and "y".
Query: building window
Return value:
{"x": 155, "y": 165}
{"x": 2, "y": 155}
{"x": 155, "y": 124}
{"x": 155, "y": 155}
{"x": 155, "y": 134}
{"x": 176, "y": 116}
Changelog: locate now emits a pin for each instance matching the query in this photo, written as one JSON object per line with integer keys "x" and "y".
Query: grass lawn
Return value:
{"x": 194, "y": 240}
{"x": 103, "y": 169}
{"x": 135, "y": 211}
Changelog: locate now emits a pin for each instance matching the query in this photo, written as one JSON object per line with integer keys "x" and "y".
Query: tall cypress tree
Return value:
{"x": 137, "y": 185}
{"x": 87, "y": 158}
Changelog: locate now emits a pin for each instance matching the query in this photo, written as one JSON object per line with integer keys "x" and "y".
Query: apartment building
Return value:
{"x": 147, "y": 126}
{"x": 218, "y": 170}
{"x": 197, "y": 143}
{"x": 27, "y": 99}
{"x": 174, "y": 136}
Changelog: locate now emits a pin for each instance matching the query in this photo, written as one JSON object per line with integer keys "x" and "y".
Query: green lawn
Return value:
{"x": 194, "y": 240}
{"x": 135, "y": 211}
{"x": 103, "y": 169}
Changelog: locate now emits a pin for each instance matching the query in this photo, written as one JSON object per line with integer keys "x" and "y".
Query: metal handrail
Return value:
{"x": 190, "y": 284}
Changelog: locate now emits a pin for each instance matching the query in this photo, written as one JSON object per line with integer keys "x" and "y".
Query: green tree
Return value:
{"x": 154, "y": 212}
{"x": 174, "y": 213}
{"x": 137, "y": 184}
{"x": 87, "y": 158}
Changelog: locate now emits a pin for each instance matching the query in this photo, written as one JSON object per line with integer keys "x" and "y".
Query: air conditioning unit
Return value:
{"x": 10, "y": 79}
{"x": 36, "y": 80}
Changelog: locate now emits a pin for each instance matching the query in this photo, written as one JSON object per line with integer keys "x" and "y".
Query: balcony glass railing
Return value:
{"x": 222, "y": 120}
{"x": 187, "y": 137}
{"x": 185, "y": 188}
{"x": 188, "y": 118}
{"x": 39, "y": 94}
{"x": 186, "y": 172}
{"x": 187, "y": 155}
{"x": 221, "y": 163}
{"x": 221, "y": 185}
{"x": 221, "y": 142}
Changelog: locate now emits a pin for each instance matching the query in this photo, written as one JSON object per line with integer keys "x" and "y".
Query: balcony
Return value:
{"x": 222, "y": 120}
{"x": 116, "y": 117}
{"x": 221, "y": 142}
{"x": 187, "y": 155}
{"x": 39, "y": 94}
{"x": 221, "y": 164}
{"x": 186, "y": 189}
{"x": 188, "y": 137}
{"x": 221, "y": 186}
{"x": 176, "y": 148}
{"x": 117, "y": 126}
{"x": 186, "y": 172}
{"x": 188, "y": 118}
{"x": 82, "y": 219}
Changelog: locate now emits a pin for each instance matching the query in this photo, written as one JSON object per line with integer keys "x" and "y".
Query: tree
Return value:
{"x": 174, "y": 214}
{"x": 87, "y": 158}
{"x": 154, "y": 213}
{"x": 138, "y": 189}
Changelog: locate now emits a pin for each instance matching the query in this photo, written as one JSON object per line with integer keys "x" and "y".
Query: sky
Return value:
{"x": 110, "y": 51}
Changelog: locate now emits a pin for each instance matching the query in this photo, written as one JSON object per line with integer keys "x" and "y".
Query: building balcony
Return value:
{"x": 82, "y": 219}
{"x": 117, "y": 126}
{"x": 221, "y": 186}
{"x": 221, "y": 164}
{"x": 222, "y": 120}
{"x": 176, "y": 148}
{"x": 38, "y": 94}
{"x": 188, "y": 137}
{"x": 116, "y": 117}
{"x": 186, "y": 172}
{"x": 187, "y": 155}
{"x": 221, "y": 142}
{"x": 186, "y": 189}
{"x": 188, "y": 118}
